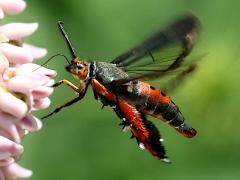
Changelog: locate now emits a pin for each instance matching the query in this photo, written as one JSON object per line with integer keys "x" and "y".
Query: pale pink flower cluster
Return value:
{"x": 24, "y": 87}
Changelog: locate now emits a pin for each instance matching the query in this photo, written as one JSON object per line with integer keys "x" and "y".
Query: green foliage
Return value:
{"x": 84, "y": 142}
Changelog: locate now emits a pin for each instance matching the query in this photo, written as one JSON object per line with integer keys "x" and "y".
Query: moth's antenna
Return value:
{"x": 48, "y": 60}
{"x": 70, "y": 47}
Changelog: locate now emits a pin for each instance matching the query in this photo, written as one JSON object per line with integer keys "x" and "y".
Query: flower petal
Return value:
{"x": 50, "y": 83}
{"x": 1, "y": 17}
{"x": 12, "y": 6}
{"x": 15, "y": 54}
{"x": 4, "y": 155}
{"x": 29, "y": 68}
{"x": 7, "y": 125}
{"x": 41, "y": 92}
{"x": 4, "y": 64}
{"x": 25, "y": 84}
{"x": 2, "y": 177}
{"x": 31, "y": 123}
{"x": 47, "y": 72}
{"x": 8, "y": 117}
{"x": 16, "y": 31}
{"x": 4, "y": 134}
{"x": 22, "y": 132}
{"x": 36, "y": 52}
{"x": 8, "y": 146}
{"x": 12, "y": 105}
{"x": 41, "y": 103}
{"x": 6, "y": 162}
{"x": 16, "y": 171}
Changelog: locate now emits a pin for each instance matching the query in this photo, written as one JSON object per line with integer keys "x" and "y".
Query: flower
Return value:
{"x": 24, "y": 88}
{"x": 11, "y": 7}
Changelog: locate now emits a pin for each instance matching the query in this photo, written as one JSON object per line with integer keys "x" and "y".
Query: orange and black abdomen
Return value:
{"x": 146, "y": 134}
{"x": 152, "y": 101}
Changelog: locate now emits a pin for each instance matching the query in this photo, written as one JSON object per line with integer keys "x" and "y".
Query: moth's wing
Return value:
{"x": 161, "y": 53}
{"x": 179, "y": 76}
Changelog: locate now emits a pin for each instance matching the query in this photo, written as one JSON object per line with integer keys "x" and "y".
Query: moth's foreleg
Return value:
{"x": 69, "y": 103}
{"x": 68, "y": 83}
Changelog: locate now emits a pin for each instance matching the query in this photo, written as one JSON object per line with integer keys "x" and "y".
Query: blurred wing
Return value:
{"x": 180, "y": 75}
{"x": 160, "y": 54}
{"x": 178, "y": 78}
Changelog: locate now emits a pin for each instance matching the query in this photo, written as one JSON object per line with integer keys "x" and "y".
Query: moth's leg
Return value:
{"x": 68, "y": 83}
{"x": 80, "y": 90}
{"x": 69, "y": 103}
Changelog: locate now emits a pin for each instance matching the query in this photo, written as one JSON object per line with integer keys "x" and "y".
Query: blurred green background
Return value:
{"x": 85, "y": 142}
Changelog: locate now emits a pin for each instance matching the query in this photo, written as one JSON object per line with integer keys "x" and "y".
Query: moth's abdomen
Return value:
{"x": 157, "y": 104}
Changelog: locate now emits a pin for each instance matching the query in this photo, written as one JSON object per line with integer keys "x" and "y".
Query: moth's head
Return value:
{"x": 79, "y": 69}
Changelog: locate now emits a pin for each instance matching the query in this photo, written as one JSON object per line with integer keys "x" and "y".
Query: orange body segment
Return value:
{"x": 134, "y": 117}
{"x": 102, "y": 90}
{"x": 188, "y": 134}
{"x": 143, "y": 130}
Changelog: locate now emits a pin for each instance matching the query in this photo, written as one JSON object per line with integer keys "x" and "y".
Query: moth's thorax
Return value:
{"x": 108, "y": 72}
